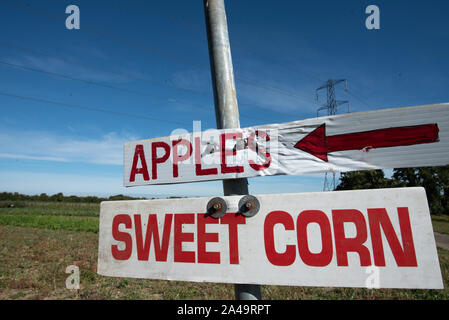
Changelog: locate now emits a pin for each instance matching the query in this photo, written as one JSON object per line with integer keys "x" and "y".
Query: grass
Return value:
{"x": 440, "y": 224}
{"x": 51, "y": 215}
{"x": 86, "y": 224}
{"x": 50, "y": 208}
{"x": 34, "y": 262}
{"x": 38, "y": 240}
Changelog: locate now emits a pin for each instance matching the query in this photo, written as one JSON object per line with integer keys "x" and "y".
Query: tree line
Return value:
{"x": 59, "y": 197}
{"x": 435, "y": 180}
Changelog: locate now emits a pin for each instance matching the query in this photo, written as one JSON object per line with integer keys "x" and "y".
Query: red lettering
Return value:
{"x": 287, "y": 257}
{"x": 225, "y": 152}
{"x": 200, "y": 171}
{"x": 203, "y": 237}
{"x": 121, "y": 236}
{"x": 255, "y": 147}
{"x": 143, "y": 249}
{"x": 404, "y": 255}
{"x": 314, "y": 259}
{"x": 233, "y": 221}
{"x": 154, "y": 159}
{"x": 344, "y": 245}
{"x": 178, "y": 158}
{"x": 139, "y": 153}
{"x": 180, "y": 237}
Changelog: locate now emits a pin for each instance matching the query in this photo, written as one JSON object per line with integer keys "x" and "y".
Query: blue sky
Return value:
{"x": 139, "y": 69}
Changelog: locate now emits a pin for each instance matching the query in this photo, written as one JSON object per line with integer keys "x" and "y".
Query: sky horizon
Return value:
{"x": 139, "y": 69}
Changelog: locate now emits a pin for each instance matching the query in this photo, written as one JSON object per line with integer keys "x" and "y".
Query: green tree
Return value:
{"x": 434, "y": 179}
{"x": 443, "y": 175}
{"x": 367, "y": 179}
{"x": 43, "y": 197}
{"x": 59, "y": 197}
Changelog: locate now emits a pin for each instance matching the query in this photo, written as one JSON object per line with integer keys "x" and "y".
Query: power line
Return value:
{"x": 113, "y": 36}
{"x": 238, "y": 46}
{"x": 170, "y": 17}
{"x": 273, "y": 88}
{"x": 96, "y": 83}
{"x": 235, "y": 45}
{"x": 104, "y": 34}
{"x": 89, "y": 66}
{"x": 76, "y": 106}
{"x": 154, "y": 51}
{"x": 251, "y": 82}
{"x": 361, "y": 100}
{"x": 92, "y": 67}
{"x": 169, "y": 100}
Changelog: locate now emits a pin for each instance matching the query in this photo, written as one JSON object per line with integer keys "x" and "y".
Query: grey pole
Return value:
{"x": 225, "y": 99}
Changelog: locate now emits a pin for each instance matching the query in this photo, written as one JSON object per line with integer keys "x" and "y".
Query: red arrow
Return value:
{"x": 319, "y": 145}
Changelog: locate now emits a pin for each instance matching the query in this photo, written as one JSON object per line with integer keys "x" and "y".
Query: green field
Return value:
{"x": 51, "y": 215}
{"x": 38, "y": 240}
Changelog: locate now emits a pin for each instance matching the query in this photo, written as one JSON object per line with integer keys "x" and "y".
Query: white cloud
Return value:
{"x": 195, "y": 80}
{"x": 23, "y": 156}
{"x": 76, "y": 184}
{"x": 272, "y": 100}
{"x": 39, "y": 145}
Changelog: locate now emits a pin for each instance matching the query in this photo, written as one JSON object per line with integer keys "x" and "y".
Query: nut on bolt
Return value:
{"x": 216, "y": 207}
{"x": 249, "y": 206}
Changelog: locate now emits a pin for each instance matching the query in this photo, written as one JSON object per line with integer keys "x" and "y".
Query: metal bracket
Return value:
{"x": 249, "y": 206}
{"x": 216, "y": 207}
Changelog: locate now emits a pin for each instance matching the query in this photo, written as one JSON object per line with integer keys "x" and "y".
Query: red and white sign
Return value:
{"x": 389, "y": 138}
{"x": 365, "y": 238}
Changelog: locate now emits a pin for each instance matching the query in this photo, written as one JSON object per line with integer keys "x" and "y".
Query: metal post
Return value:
{"x": 225, "y": 99}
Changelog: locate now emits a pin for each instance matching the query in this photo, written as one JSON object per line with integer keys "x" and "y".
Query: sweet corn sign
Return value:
{"x": 366, "y": 238}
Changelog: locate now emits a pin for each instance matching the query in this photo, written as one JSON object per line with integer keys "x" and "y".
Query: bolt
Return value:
{"x": 216, "y": 207}
{"x": 248, "y": 206}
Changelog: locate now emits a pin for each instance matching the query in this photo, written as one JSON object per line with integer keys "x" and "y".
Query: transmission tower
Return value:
{"x": 332, "y": 103}
{"x": 331, "y": 107}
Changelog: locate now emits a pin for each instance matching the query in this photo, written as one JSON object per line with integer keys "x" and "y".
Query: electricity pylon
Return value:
{"x": 331, "y": 107}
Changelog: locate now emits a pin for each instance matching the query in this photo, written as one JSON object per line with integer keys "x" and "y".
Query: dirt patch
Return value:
{"x": 442, "y": 240}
